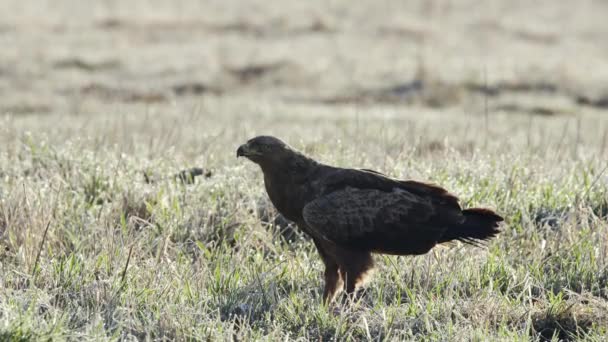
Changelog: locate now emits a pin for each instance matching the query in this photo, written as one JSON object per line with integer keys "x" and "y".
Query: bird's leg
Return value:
{"x": 350, "y": 284}
{"x": 333, "y": 282}
{"x": 355, "y": 272}
{"x": 352, "y": 288}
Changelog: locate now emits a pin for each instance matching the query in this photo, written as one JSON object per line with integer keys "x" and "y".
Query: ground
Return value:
{"x": 101, "y": 103}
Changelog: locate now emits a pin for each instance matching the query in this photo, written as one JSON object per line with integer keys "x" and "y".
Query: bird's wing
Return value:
{"x": 396, "y": 221}
{"x": 339, "y": 179}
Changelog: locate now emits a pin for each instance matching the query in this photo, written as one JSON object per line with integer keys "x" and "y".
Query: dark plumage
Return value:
{"x": 351, "y": 213}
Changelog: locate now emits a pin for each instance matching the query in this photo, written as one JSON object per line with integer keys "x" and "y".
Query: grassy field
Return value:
{"x": 103, "y": 103}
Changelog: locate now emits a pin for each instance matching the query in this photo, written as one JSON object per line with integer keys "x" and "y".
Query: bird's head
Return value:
{"x": 265, "y": 150}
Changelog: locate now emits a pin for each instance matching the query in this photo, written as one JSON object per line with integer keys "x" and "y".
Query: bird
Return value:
{"x": 351, "y": 214}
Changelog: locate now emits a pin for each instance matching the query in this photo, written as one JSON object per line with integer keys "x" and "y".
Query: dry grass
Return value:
{"x": 104, "y": 104}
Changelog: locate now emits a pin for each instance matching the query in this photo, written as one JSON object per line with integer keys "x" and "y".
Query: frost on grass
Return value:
{"x": 127, "y": 258}
{"x": 103, "y": 237}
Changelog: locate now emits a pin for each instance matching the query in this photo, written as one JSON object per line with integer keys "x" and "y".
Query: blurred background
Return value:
{"x": 100, "y": 57}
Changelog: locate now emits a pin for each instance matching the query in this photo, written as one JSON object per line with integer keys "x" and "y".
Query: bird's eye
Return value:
{"x": 266, "y": 147}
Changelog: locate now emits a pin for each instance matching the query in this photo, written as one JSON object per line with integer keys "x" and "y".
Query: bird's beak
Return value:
{"x": 242, "y": 150}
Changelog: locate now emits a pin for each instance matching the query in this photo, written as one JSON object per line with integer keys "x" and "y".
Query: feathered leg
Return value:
{"x": 333, "y": 279}
{"x": 354, "y": 268}
{"x": 333, "y": 282}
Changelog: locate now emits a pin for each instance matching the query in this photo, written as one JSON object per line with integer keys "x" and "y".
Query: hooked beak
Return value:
{"x": 243, "y": 151}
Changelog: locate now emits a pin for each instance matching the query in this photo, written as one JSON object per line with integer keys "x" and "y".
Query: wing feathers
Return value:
{"x": 366, "y": 210}
{"x": 371, "y": 219}
{"x": 369, "y": 179}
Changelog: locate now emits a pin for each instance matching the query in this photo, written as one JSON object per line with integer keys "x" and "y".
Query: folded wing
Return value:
{"x": 393, "y": 221}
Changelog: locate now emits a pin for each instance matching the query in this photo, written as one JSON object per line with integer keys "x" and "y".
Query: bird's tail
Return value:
{"x": 479, "y": 225}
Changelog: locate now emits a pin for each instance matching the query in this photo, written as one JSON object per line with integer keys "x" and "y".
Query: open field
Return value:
{"x": 101, "y": 103}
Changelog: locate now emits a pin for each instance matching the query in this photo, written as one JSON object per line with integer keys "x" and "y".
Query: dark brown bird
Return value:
{"x": 351, "y": 213}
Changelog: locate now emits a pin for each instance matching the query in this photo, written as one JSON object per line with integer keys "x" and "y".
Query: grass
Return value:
{"x": 90, "y": 250}
{"x": 103, "y": 104}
